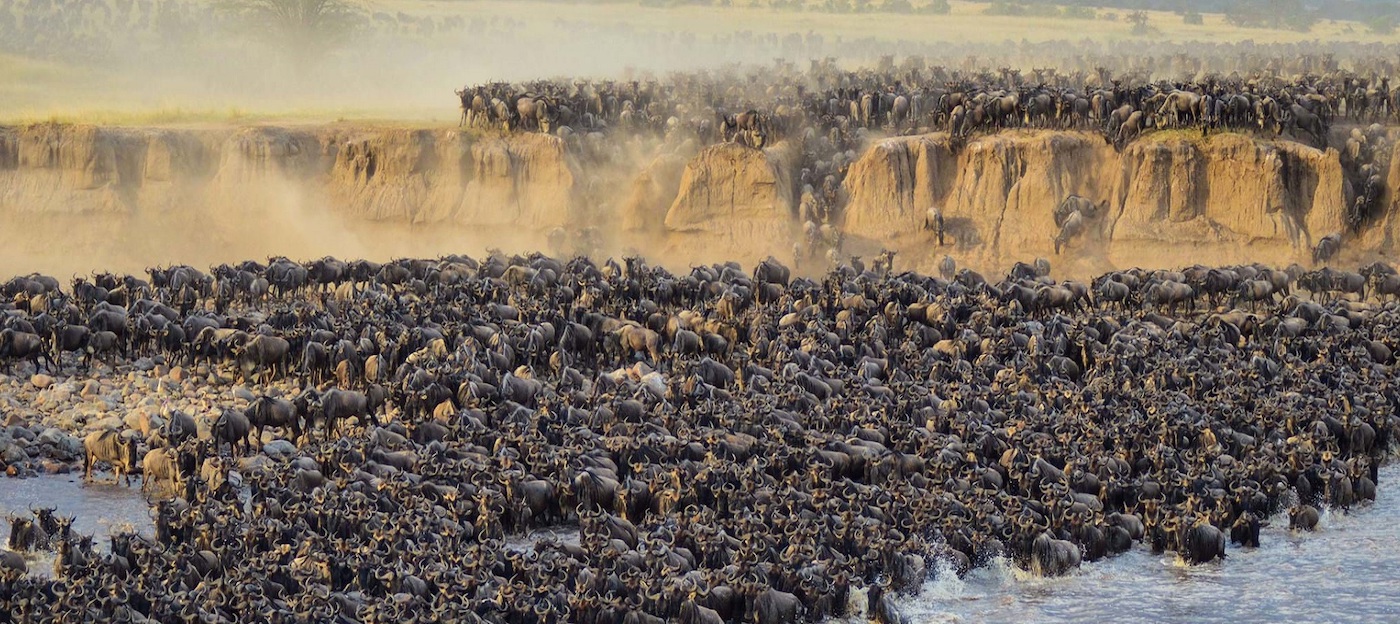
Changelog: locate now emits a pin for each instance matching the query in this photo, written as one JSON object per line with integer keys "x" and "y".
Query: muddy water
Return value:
{"x": 1343, "y": 573}
{"x": 100, "y": 508}
{"x": 567, "y": 535}
{"x": 1346, "y": 572}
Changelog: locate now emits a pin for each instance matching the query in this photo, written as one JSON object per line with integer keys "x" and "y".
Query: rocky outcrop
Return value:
{"x": 255, "y": 154}
{"x": 1228, "y": 189}
{"x": 1008, "y": 186}
{"x": 415, "y": 175}
{"x": 61, "y": 169}
{"x": 126, "y": 198}
{"x": 730, "y": 191}
{"x": 1387, "y": 234}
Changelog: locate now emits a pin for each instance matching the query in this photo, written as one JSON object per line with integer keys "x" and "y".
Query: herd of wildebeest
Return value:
{"x": 727, "y": 445}
{"x": 826, "y": 114}
{"x": 757, "y": 105}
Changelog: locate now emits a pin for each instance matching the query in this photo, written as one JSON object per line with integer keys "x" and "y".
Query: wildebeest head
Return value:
{"x": 22, "y": 534}
{"x": 128, "y": 442}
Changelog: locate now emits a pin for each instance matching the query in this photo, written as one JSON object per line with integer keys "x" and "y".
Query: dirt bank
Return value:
{"x": 1171, "y": 198}
{"x": 73, "y": 198}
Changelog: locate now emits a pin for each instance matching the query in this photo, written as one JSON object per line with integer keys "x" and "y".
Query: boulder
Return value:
{"x": 12, "y": 453}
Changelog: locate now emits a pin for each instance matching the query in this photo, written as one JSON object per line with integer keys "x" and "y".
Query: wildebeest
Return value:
{"x": 178, "y": 428}
{"x": 1053, "y": 557}
{"x": 1074, "y": 225}
{"x": 1201, "y": 543}
{"x": 161, "y": 466}
{"x": 262, "y": 352}
{"x": 1081, "y": 205}
{"x": 933, "y": 220}
{"x": 231, "y": 427}
{"x": 335, "y": 405}
{"x": 117, "y": 448}
{"x": 1326, "y": 248}
{"x": 24, "y": 345}
{"x": 26, "y": 535}
{"x": 13, "y": 562}
{"x": 267, "y": 411}
{"x": 776, "y": 607}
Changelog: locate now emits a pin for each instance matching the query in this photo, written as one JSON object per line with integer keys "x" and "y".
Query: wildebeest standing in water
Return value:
{"x": 117, "y": 448}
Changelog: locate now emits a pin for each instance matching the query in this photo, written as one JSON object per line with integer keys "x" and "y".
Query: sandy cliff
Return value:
{"x": 735, "y": 198}
{"x": 1229, "y": 197}
{"x": 137, "y": 196}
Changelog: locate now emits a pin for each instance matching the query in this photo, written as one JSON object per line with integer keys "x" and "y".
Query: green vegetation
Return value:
{"x": 937, "y": 7}
{"x": 1141, "y": 23}
{"x": 1193, "y": 18}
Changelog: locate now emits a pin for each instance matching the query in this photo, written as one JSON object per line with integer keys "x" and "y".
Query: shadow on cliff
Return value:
{"x": 74, "y": 199}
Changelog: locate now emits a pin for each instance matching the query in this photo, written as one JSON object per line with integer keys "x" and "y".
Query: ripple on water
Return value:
{"x": 100, "y": 508}
{"x": 1343, "y": 573}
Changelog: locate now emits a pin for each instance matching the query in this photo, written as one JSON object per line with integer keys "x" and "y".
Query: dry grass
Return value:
{"x": 966, "y": 23}
{"x": 180, "y": 116}
{"x": 38, "y": 91}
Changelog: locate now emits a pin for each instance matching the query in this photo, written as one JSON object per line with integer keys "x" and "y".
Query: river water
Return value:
{"x": 99, "y": 509}
{"x": 1349, "y": 571}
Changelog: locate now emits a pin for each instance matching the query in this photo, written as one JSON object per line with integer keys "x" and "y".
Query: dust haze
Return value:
{"x": 401, "y": 59}
{"x": 190, "y": 66}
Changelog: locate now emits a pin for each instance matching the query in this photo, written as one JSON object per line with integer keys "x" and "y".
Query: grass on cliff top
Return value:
{"x": 1194, "y": 136}
{"x": 967, "y": 22}
{"x": 179, "y": 116}
{"x": 39, "y": 91}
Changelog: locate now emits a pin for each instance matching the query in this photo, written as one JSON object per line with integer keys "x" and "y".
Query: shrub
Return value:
{"x": 898, "y": 6}
{"x": 1001, "y": 7}
{"x": 937, "y": 7}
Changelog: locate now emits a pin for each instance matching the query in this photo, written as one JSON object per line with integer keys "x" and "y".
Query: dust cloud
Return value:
{"x": 188, "y": 67}
{"x": 174, "y": 61}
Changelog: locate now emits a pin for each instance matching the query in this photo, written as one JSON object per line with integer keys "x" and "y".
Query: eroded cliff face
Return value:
{"x": 130, "y": 197}
{"x": 651, "y": 194}
{"x": 1230, "y": 189}
{"x": 51, "y": 169}
{"x": 734, "y": 192}
{"x": 891, "y": 187}
{"x": 1387, "y": 234}
{"x": 406, "y": 176}
{"x": 74, "y": 198}
{"x": 1168, "y": 197}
